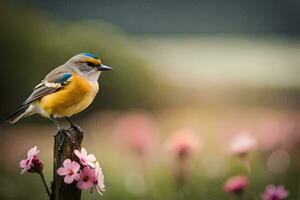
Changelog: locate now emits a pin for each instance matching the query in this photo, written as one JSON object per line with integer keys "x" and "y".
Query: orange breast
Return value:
{"x": 73, "y": 98}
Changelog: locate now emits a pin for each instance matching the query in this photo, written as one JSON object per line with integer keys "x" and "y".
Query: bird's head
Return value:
{"x": 87, "y": 64}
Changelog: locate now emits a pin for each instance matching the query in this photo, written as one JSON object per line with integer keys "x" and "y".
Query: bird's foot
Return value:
{"x": 79, "y": 130}
{"x": 62, "y": 134}
{"x": 76, "y": 127}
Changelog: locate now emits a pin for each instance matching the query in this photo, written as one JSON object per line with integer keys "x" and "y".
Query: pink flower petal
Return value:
{"x": 84, "y": 158}
{"x": 91, "y": 164}
{"x": 85, "y": 185}
{"x": 23, "y": 163}
{"x": 83, "y": 162}
{"x": 69, "y": 179}
{"x": 67, "y": 164}
{"x": 91, "y": 158}
{"x": 75, "y": 166}
{"x": 77, "y": 153}
{"x": 273, "y": 192}
{"x": 76, "y": 176}
{"x": 83, "y": 152}
{"x": 32, "y": 152}
{"x": 86, "y": 170}
{"x": 80, "y": 185}
{"x": 62, "y": 171}
{"x": 91, "y": 173}
{"x": 99, "y": 179}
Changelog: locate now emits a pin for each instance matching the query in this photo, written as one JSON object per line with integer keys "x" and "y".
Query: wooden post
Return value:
{"x": 61, "y": 190}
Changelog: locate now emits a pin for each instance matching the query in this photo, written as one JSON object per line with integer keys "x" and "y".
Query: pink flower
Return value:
{"x": 275, "y": 193}
{"x": 31, "y": 163}
{"x": 85, "y": 159}
{"x": 69, "y": 170}
{"x": 137, "y": 131}
{"x": 86, "y": 178}
{"x": 242, "y": 144}
{"x": 236, "y": 184}
{"x": 183, "y": 143}
{"x": 99, "y": 179}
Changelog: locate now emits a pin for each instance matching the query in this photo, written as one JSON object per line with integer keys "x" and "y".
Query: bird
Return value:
{"x": 65, "y": 91}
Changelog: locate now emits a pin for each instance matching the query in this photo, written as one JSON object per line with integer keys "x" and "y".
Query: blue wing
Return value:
{"x": 52, "y": 83}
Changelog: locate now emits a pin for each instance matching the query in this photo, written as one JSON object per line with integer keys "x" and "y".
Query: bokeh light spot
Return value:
{"x": 135, "y": 184}
{"x": 278, "y": 161}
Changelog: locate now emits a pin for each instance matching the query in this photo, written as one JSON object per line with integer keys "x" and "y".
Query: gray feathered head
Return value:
{"x": 86, "y": 64}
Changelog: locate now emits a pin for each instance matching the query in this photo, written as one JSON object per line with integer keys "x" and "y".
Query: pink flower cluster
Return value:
{"x": 183, "y": 143}
{"x": 87, "y": 173}
{"x": 242, "y": 144}
{"x": 236, "y": 184}
{"x": 32, "y": 163}
{"x": 137, "y": 131}
{"x": 275, "y": 193}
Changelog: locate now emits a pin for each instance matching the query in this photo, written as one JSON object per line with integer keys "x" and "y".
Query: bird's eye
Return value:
{"x": 91, "y": 64}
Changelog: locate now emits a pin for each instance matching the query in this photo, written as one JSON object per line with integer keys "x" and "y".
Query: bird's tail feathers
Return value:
{"x": 23, "y": 111}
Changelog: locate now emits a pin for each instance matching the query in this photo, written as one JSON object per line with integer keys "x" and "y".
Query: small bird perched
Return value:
{"x": 65, "y": 91}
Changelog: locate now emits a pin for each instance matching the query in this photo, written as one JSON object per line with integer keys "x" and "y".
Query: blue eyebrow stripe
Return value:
{"x": 90, "y": 55}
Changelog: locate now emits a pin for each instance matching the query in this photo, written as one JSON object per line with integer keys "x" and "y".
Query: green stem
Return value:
{"x": 246, "y": 162}
{"x": 240, "y": 196}
{"x": 44, "y": 183}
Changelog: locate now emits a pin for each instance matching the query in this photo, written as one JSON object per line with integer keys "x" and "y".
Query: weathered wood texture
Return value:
{"x": 61, "y": 190}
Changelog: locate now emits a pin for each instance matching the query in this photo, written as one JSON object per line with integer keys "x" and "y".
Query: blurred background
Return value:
{"x": 204, "y": 70}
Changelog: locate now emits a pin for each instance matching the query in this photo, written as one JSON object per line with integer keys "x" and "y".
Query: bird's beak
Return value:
{"x": 104, "y": 68}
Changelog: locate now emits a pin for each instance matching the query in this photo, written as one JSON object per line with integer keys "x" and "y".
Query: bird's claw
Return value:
{"x": 62, "y": 134}
{"x": 79, "y": 130}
